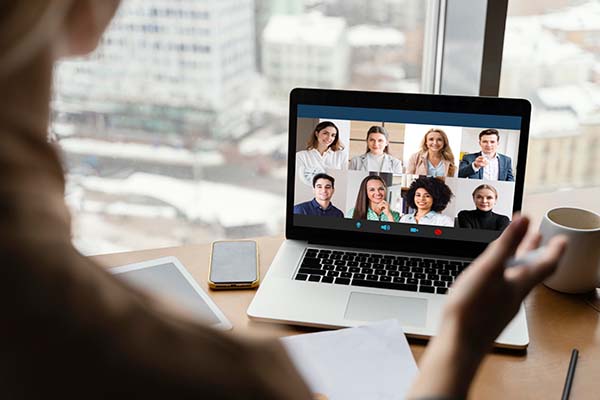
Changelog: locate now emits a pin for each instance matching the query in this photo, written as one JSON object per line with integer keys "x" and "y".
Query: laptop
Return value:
{"x": 363, "y": 262}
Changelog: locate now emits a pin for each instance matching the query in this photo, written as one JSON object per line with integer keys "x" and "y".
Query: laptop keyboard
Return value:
{"x": 414, "y": 274}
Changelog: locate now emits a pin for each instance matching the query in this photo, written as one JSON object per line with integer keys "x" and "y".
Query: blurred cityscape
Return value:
{"x": 175, "y": 130}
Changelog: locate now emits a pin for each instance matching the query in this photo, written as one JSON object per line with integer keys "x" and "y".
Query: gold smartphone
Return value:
{"x": 233, "y": 265}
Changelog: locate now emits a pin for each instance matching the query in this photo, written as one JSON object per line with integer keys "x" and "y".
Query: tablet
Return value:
{"x": 167, "y": 278}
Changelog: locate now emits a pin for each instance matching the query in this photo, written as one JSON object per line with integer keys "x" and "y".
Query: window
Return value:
{"x": 552, "y": 57}
{"x": 175, "y": 129}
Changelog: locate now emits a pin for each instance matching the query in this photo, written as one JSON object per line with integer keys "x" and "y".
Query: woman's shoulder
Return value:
{"x": 393, "y": 159}
{"x": 407, "y": 217}
{"x": 358, "y": 157}
{"x": 466, "y": 213}
{"x": 417, "y": 155}
{"x": 501, "y": 217}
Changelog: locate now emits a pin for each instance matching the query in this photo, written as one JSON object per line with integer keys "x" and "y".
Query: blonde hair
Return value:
{"x": 446, "y": 151}
{"x": 26, "y": 26}
{"x": 485, "y": 186}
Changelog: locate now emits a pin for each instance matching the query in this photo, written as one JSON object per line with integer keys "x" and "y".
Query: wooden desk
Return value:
{"x": 557, "y": 322}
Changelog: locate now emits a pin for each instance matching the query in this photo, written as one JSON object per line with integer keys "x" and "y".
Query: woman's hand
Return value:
{"x": 483, "y": 300}
{"x": 383, "y": 207}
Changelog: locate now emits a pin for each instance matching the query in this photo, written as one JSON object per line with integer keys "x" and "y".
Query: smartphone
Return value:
{"x": 233, "y": 265}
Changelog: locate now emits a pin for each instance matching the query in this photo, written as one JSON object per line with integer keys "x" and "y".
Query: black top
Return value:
{"x": 477, "y": 219}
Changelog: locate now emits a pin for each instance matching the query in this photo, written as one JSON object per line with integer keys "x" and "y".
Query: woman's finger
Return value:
{"x": 531, "y": 241}
{"x": 496, "y": 254}
{"x": 527, "y": 276}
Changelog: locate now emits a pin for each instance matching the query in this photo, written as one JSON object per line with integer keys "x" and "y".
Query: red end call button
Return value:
{"x": 437, "y": 232}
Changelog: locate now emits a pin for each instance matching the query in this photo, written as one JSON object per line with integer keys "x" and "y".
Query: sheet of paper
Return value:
{"x": 369, "y": 362}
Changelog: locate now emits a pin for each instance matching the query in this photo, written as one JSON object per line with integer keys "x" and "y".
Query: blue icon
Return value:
{"x": 414, "y": 230}
{"x": 358, "y": 225}
{"x": 385, "y": 227}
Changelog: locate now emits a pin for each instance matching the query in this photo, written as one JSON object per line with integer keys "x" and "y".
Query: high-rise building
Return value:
{"x": 579, "y": 24}
{"x": 176, "y": 68}
{"x": 534, "y": 57}
{"x": 305, "y": 50}
{"x": 264, "y": 10}
{"x": 564, "y": 149}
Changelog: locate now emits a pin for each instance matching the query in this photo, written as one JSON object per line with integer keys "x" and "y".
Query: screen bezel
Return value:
{"x": 410, "y": 102}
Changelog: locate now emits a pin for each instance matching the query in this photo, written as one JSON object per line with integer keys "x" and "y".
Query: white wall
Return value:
{"x": 354, "y": 180}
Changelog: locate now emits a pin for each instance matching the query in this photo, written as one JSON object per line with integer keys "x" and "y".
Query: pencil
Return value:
{"x": 570, "y": 373}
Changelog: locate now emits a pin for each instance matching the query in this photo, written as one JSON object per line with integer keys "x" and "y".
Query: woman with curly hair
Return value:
{"x": 371, "y": 203}
{"x": 429, "y": 197}
{"x": 435, "y": 158}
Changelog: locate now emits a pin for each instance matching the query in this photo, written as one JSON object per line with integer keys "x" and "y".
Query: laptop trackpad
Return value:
{"x": 376, "y": 307}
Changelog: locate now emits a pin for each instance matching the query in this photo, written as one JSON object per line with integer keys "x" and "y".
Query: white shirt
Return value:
{"x": 311, "y": 162}
{"x": 381, "y": 163}
{"x": 431, "y": 218}
{"x": 440, "y": 170}
{"x": 375, "y": 163}
{"x": 490, "y": 171}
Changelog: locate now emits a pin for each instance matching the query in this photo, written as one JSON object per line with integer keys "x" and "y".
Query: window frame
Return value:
{"x": 444, "y": 23}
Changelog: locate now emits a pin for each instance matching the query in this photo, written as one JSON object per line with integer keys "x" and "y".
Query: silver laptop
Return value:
{"x": 375, "y": 234}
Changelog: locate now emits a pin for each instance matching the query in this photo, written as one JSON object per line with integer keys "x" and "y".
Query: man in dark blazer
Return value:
{"x": 487, "y": 163}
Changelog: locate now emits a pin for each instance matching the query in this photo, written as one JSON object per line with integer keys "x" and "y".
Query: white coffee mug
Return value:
{"x": 579, "y": 269}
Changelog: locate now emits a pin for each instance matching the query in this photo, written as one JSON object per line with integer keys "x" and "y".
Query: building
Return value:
{"x": 263, "y": 11}
{"x": 564, "y": 148}
{"x": 377, "y": 57}
{"x": 175, "y": 69}
{"x": 534, "y": 58}
{"x": 551, "y": 59}
{"x": 578, "y": 24}
{"x": 308, "y": 50}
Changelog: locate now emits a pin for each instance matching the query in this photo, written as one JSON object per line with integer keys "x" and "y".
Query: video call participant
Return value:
{"x": 323, "y": 189}
{"x": 435, "y": 157}
{"x": 485, "y": 198}
{"x": 377, "y": 157}
{"x": 429, "y": 197}
{"x": 487, "y": 163}
{"x": 323, "y": 151}
{"x": 370, "y": 201}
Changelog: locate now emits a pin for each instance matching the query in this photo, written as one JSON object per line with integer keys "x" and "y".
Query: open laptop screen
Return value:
{"x": 410, "y": 173}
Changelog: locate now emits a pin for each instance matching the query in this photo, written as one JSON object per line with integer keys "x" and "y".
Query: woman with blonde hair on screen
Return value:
{"x": 483, "y": 217}
{"x": 435, "y": 157}
{"x": 72, "y": 330}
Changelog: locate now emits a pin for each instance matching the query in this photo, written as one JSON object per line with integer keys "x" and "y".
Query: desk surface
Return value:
{"x": 557, "y": 322}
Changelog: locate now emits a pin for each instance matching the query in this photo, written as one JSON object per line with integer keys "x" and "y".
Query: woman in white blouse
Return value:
{"x": 377, "y": 157}
{"x": 323, "y": 151}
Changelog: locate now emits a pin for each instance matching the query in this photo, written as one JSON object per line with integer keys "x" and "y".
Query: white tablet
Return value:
{"x": 168, "y": 278}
